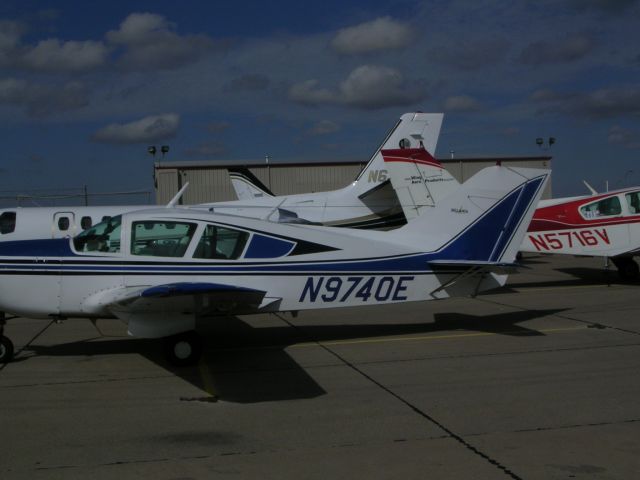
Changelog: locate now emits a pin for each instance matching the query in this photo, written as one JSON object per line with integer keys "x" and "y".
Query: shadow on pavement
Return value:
{"x": 247, "y": 365}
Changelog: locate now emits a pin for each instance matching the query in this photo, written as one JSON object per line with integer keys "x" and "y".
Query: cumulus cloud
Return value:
{"x": 623, "y": 136}
{"x": 566, "y": 50}
{"x": 148, "y": 129}
{"x": 601, "y": 103}
{"x": 381, "y": 34}
{"x": 471, "y": 54}
{"x": 55, "y": 56}
{"x": 10, "y": 35}
{"x": 461, "y": 104}
{"x": 308, "y": 93}
{"x": 366, "y": 87}
{"x": 149, "y": 42}
{"x": 252, "y": 82}
{"x": 41, "y": 100}
{"x": 324, "y": 127}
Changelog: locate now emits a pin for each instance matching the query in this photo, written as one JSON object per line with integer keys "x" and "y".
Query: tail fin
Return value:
{"x": 484, "y": 221}
{"x": 412, "y": 130}
{"x": 246, "y": 185}
{"x": 419, "y": 179}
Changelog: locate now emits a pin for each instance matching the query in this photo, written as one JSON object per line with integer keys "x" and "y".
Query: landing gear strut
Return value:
{"x": 6, "y": 346}
{"x": 627, "y": 268}
{"x": 183, "y": 349}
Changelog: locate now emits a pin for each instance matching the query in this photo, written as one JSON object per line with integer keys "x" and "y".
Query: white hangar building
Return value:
{"x": 209, "y": 180}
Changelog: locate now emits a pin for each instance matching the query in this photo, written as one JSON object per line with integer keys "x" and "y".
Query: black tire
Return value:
{"x": 6, "y": 350}
{"x": 183, "y": 349}
{"x": 627, "y": 269}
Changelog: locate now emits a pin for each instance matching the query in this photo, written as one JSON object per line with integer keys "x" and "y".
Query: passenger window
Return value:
{"x": 85, "y": 222}
{"x": 161, "y": 239}
{"x": 603, "y": 208}
{"x": 221, "y": 243}
{"x": 7, "y": 222}
{"x": 103, "y": 237}
{"x": 63, "y": 223}
{"x": 633, "y": 201}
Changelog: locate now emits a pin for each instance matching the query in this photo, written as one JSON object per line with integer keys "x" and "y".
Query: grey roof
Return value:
{"x": 295, "y": 162}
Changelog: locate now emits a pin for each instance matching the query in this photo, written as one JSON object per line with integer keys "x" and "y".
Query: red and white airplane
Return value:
{"x": 599, "y": 225}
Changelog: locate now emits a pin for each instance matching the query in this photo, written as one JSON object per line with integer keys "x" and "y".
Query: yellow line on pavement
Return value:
{"x": 524, "y": 289}
{"x": 432, "y": 337}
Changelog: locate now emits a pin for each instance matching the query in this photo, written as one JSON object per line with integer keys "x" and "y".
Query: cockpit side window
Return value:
{"x": 102, "y": 237}
{"x": 633, "y": 201}
{"x": 7, "y": 222}
{"x": 603, "y": 208}
{"x": 159, "y": 238}
{"x": 221, "y": 243}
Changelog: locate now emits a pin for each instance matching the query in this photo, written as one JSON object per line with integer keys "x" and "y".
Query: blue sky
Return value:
{"x": 86, "y": 86}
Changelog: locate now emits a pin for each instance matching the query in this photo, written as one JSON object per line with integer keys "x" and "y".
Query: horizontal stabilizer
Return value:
{"x": 500, "y": 268}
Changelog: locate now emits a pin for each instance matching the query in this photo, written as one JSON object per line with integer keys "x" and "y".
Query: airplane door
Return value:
{"x": 64, "y": 225}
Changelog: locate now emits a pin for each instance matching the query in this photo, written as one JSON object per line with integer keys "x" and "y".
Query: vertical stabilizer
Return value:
{"x": 484, "y": 220}
{"x": 246, "y": 185}
{"x": 419, "y": 180}
{"x": 411, "y": 131}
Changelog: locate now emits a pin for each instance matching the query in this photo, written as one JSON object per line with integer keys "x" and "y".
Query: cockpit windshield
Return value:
{"x": 102, "y": 237}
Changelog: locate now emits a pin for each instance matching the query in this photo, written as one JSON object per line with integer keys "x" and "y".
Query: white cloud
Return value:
{"x": 308, "y": 93}
{"x": 148, "y": 129}
{"x": 149, "y": 42}
{"x": 52, "y": 55}
{"x": 139, "y": 28}
{"x": 381, "y": 34}
{"x": 367, "y": 87}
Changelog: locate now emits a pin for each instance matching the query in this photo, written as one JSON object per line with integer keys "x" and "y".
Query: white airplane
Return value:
{"x": 158, "y": 269}
{"x": 368, "y": 202}
{"x": 598, "y": 225}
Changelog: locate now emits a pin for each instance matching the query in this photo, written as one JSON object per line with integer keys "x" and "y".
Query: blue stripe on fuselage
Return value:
{"x": 475, "y": 243}
{"x": 52, "y": 247}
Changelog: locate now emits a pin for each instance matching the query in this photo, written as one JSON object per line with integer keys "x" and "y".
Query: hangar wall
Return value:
{"x": 209, "y": 181}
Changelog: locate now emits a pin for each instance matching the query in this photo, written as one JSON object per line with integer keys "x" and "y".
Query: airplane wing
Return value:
{"x": 157, "y": 310}
{"x": 500, "y": 268}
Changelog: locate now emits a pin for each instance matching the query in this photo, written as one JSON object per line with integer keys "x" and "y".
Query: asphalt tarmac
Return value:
{"x": 539, "y": 380}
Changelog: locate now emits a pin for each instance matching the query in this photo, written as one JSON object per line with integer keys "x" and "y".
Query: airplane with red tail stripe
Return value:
{"x": 600, "y": 225}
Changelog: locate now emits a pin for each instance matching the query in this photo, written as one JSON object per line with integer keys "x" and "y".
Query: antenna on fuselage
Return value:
{"x": 178, "y": 196}
{"x": 591, "y": 189}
